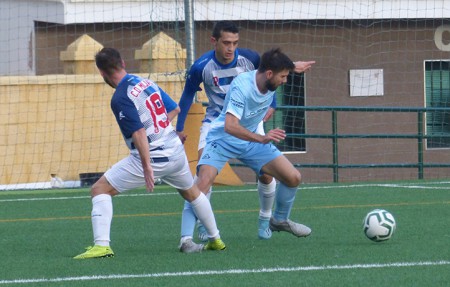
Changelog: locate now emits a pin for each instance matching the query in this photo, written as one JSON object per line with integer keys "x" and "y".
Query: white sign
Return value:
{"x": 366, "y": 82}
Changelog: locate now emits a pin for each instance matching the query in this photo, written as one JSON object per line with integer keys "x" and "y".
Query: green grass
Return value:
{"x": 40, "y": 232}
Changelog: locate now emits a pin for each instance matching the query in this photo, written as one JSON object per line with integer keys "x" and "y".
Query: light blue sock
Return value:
{"x": 284, "y": 200}
{"x": 188, "y": 220}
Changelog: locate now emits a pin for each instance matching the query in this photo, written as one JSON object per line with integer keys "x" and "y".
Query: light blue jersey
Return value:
{"x": 245, "y": 102}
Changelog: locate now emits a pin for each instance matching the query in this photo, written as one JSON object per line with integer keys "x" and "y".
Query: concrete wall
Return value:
{"x": 63, "y": 124}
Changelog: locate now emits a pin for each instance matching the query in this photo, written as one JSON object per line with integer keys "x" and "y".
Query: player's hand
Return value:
{"x": 269, "y": 114}
{"x": 275, "y": 135}
{"x": 182, "y": 137}
{"x": 149, "y": 179}
{"x": 301, "y": 67}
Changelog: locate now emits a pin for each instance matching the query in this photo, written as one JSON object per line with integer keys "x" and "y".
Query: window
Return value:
{"x": 292, "y": 120}
{"x": 437, "y": 94}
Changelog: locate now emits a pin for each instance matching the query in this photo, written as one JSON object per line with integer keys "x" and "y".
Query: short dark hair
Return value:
{"x": 224, "y": 26}
{"x": 276, "y": 61}
{"x": 108, "y": 60}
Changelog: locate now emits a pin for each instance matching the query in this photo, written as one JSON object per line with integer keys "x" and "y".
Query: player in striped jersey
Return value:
{"x": 143, "y": 112}
{"x": 216, "y": 69}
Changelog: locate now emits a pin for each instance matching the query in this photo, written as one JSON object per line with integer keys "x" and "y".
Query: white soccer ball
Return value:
{"x": 379, "y": 225}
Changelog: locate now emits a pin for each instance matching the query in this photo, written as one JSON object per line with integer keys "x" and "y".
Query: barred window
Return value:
{"x": 437, "y": 94}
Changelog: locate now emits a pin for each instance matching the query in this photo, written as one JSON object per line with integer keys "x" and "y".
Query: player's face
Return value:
{"x": 274, "y": 80}
{"x": 225, "y": 46}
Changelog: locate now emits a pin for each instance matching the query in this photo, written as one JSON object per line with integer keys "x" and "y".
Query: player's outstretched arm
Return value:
{"x": 186, "y": 100}
{"x": 301, "y": 66}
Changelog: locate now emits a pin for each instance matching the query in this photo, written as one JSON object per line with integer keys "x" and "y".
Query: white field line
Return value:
{"x": 225, "y": 272}
{"x": 304, "y": 188}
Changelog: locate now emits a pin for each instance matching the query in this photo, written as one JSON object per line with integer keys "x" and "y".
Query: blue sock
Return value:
{"x": 284, "y": 200}
{"x": 188, "y": 220}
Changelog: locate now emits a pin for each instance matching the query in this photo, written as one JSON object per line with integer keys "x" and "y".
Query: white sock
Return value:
{"x": 266, "y": 198}
{"x": 101, "y": 217}
{"x": 203, "y": 210}
{"x": 208, "y": 196}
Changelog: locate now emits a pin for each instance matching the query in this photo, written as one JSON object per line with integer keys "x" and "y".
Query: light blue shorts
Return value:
{"x": 254, "y": 155}
{"x": 206, "y": 126}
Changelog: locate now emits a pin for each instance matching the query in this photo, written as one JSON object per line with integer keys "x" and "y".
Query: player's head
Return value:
{"x": 225, "y": 38}
{"x": 224, "y": 26}
{"x": 276, "y": 66}
{"x": 109, "y": 61}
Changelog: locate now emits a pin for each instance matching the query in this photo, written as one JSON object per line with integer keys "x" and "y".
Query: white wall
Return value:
{"x": 17, "y": 32}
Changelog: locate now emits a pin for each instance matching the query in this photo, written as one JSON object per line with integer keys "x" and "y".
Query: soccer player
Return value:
{"x": 216, "y": 69}
{"x": 143, "y": 111}
{"x": 233, "y": 136}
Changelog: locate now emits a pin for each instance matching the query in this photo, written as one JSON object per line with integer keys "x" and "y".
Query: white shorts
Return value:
{"x": 204, "y": 129}
{"x": 128, "y": 173}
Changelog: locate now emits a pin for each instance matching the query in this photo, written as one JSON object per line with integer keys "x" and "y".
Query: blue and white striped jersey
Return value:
{"x": 139, "y": 103}
{"x": 216, "y": 79}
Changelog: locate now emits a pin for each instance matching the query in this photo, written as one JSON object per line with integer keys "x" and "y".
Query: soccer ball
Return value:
{"x": 379, "y": 225}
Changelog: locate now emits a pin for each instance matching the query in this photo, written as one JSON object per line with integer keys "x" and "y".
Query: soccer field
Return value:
{"x": 42, "y": 230}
